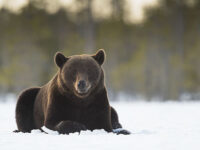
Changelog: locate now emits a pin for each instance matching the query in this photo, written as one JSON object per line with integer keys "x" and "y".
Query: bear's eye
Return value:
{"x": 72, "y": 74}
{"x": 92, "y": 74}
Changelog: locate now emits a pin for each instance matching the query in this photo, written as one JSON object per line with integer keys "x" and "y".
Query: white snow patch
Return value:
{"x": 154, "y": 126}
{"x": 117, "y": 130}
{"x": 36, "y": 131}
{"x": 49, "y": 131}
{"x": 94, "y": 132}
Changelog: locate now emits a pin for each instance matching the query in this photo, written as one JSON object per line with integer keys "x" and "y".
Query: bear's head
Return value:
{"x": 81, "y": 74}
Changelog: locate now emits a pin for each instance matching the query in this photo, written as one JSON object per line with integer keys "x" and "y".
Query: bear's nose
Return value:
{"x": 81, "y": 84}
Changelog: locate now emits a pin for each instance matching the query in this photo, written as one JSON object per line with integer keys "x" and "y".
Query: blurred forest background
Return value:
{"x": 157, "y": 57}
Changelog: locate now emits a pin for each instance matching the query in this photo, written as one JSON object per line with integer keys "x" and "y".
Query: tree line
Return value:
{"x": 157, "y": 58}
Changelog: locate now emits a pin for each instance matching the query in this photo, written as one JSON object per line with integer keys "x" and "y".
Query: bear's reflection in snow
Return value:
{"x": 74, "y": 100}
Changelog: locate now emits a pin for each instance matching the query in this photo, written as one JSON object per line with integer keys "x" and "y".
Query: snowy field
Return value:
{"x": 154, "y": 126}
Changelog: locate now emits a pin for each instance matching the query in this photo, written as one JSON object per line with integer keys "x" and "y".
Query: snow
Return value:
{"x": 45, "y": 129}
{"x": 117, "y": 130}
{"x": 154, "y": 126}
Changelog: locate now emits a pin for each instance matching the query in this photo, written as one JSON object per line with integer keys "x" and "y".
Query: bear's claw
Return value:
{"x": 121, "y": 131}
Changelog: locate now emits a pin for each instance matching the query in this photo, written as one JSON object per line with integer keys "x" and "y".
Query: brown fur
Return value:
{"x": 59, "y": 106}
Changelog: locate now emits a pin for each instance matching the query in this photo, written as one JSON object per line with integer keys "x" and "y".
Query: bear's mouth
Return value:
{"x": 82, "y": 88}
{"x": 82, "y": 94}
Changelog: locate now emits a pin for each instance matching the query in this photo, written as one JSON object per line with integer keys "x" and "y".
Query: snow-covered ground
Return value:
{"x": 154, "y": 126}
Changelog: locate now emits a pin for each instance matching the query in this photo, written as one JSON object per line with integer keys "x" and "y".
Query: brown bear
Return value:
{"x": 74, "y": 100}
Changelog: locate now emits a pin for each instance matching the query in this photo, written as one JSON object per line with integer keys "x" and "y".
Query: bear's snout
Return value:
{"x": 82, "y": 85}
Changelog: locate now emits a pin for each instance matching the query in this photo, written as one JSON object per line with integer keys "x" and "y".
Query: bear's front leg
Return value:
{"x": 117, "y": 127}
{"x": 66, "y": 127}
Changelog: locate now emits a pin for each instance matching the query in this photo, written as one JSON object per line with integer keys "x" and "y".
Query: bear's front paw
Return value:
{"x": 66, "y": 127}
{"x": 79, "y": 126}
{"x": 121, "y": 131}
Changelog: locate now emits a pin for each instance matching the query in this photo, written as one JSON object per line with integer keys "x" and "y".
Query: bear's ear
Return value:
{"x": 60, "y": 59}
{"x": 99, "y": 56}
